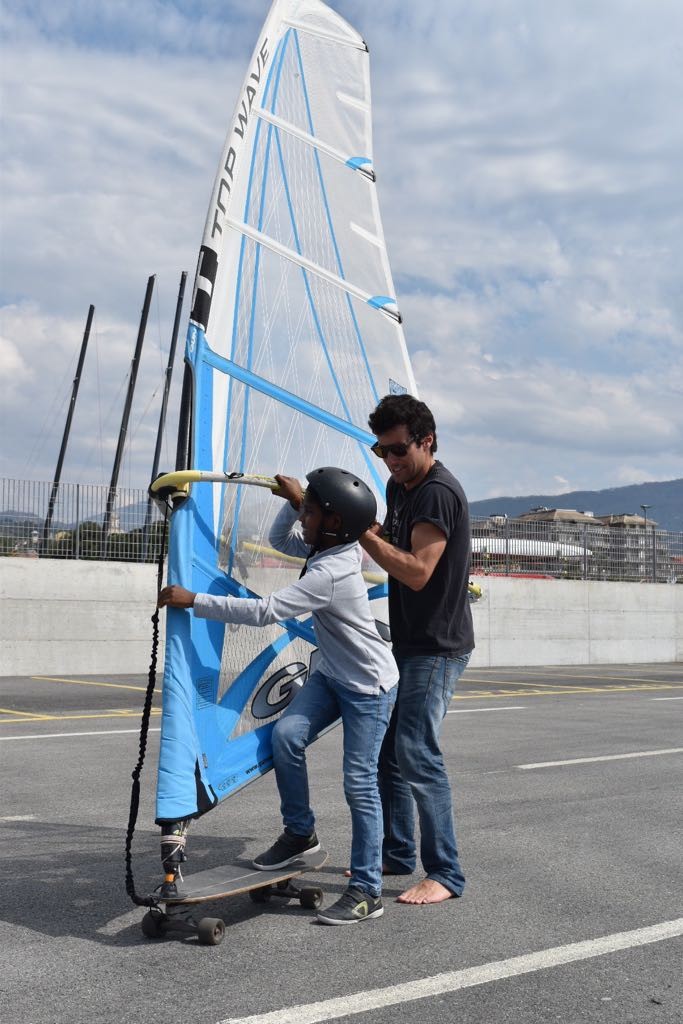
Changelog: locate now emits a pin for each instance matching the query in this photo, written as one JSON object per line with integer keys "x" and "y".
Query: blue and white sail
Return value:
{"x": 294, "y": 335}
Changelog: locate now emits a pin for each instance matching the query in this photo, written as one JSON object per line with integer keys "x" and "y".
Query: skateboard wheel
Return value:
{"x": 210, "y": 931}
{"x": 152, "y": 925}
{"x": 261, "y": 895}
{"x": 311, "y": 897}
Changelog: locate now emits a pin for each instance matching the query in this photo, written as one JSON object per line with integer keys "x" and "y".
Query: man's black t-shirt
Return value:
{"x": 436, "y": 619}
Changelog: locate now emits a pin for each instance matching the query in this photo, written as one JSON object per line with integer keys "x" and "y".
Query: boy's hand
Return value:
{"x": 290, "y": 489}
{"x": 176, "y": 597}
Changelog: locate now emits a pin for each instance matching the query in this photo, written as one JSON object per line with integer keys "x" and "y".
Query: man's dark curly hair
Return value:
{"x": 403, "y": 410}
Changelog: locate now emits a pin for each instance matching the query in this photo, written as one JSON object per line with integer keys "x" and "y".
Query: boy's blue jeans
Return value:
{"x": 411, "y": 767}
{"x": 365, "y": 718}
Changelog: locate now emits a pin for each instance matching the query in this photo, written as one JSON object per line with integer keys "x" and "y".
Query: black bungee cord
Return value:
{"x": 145, "y": 901}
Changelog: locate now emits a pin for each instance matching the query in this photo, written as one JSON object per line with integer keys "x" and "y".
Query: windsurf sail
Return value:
{"x": 294, "y": 336}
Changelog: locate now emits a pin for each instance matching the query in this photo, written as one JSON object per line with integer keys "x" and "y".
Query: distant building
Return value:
{"x": 636, "y": 545}
{"x": 542, "y": 514}
{"x": 626, "y": 519}
{"x": 616, "y": 546}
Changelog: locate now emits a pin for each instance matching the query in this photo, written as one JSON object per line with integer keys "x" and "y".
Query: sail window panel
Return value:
{"x": 309, "y": 83}
{"x": 311, "y": 338}
{"x": 314, "y": 205}
{"x": 269, "y": 437}
{"x": 266, "y": 436}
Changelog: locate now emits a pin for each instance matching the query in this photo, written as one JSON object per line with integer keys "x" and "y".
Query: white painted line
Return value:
{"x": 666, "y": 698}
{"x": 19, "y": 817}
{"x": 452, "y": 981}
{"x": 471, "y": 711}
{"x": 63, "y": 735}
{"x": 605, "y": 757}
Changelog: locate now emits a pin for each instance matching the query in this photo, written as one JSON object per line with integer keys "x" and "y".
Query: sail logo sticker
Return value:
{"x": 227, "y": 176}
{"x": 281, "y": 686}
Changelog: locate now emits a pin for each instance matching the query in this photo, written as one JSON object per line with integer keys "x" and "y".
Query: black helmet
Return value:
{"x": 341, "y": 492}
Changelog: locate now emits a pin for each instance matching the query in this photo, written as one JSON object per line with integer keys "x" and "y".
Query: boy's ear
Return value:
{"x": 333, "y": 522}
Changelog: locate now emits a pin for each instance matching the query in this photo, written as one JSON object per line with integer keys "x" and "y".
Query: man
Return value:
{"x": 425, "y": 550}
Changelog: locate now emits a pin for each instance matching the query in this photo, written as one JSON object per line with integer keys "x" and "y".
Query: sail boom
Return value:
{"x": 180, "y": 478}
{"x": 382, "y": 303}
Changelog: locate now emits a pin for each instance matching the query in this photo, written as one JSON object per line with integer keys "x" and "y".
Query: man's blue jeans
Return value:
{"x": 365, "y": 718}
{"x": 411, "y": 767}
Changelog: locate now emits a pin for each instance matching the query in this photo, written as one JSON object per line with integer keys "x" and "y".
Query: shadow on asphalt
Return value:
{"x": 70, "y": 880}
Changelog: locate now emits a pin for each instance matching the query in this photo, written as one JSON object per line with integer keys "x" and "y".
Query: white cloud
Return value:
{"x": 13, "y": 368}
{"x": 625, "y": 475}
{"x": 529, "y": 176}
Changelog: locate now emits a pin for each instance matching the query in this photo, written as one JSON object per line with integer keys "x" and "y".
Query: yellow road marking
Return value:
{"x": 484, "y": 694}
{"x": 19, "y": 711}
{"x": 73, "y": 718}
{"x": 89, "y": 682}
{"x": 514, "y": 682}
{"x": 556, "y": 691}
{"x": 583, "y": 675}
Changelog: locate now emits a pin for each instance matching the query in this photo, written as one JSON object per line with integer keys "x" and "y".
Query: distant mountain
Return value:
{"x": 666, "y": 499}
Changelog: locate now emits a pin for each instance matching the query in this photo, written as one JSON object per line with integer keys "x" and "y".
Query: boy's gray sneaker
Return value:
{"x": 287, "y": 849}
{"x": 352, "y": 906}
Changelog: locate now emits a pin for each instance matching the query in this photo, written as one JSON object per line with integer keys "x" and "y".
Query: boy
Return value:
{"x": 355, "y": 679}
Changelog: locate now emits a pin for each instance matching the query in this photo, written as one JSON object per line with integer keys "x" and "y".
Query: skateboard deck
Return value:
{"x": 229, "y": 880}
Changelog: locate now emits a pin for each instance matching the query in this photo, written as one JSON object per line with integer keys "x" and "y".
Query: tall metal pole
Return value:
{"x": 164, "y": 401}
{"x": 67, "y": 429}
{"x": 111, "y": 497}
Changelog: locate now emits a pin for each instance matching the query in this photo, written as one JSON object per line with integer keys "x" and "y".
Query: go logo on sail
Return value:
{"x": 277, "y": 691}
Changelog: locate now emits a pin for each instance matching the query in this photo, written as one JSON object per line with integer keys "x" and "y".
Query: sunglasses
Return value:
{"x": 399, "y": 450}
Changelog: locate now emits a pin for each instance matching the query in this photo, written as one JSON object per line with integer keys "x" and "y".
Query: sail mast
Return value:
{"x": 169, "y": 374}
{"x": 67, "y": 429}
{"x": 111, "y": 497}
{"x": 164, "y": 400}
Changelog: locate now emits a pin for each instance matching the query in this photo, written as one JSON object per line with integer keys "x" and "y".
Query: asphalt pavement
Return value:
{"x": 568, "y": 788}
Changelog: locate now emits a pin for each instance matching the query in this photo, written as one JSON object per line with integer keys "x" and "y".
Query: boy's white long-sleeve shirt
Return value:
{"x": 333, "y": 590}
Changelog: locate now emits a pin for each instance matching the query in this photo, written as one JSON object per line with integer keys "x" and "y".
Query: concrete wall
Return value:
{"x": 77, "y": 617}
{"x": 571, "y": 622}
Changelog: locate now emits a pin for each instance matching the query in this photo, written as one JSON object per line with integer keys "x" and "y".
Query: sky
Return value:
{"x": 529, "y": 161}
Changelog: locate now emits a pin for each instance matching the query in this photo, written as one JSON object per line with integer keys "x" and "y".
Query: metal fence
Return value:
{"x": 580, "y": 551}
{"x": 87, "y": 522}
{"x": 78, "y": 521}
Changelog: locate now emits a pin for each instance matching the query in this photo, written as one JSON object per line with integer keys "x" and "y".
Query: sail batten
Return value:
{"x": 295, "y": 257}
{"x": 341, "y": 40}
{"x": 358, "y": 163}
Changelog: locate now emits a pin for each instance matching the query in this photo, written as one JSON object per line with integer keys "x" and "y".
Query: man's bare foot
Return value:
{"x": 426, "y": 891}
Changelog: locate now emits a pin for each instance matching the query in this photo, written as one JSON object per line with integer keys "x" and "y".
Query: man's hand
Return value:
{"x": 176, "y": 597}
{"x": 414, "y": 567}
{"x": 376, "y": 529}
{"x": 290, "y": 489}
